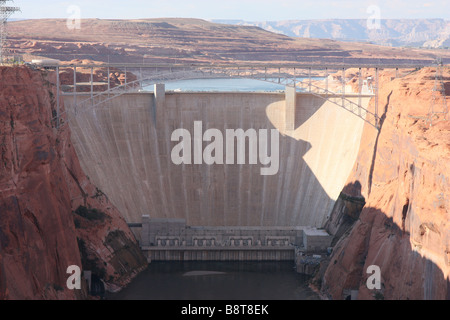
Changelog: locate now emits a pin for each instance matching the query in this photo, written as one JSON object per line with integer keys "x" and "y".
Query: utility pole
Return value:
{"x": 438, "y": 101}
{"x": 5, "y": 13}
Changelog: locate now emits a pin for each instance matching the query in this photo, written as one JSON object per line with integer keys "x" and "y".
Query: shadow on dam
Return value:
{"x": 125, "y": 148}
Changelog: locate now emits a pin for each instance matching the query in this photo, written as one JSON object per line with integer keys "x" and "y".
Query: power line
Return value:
{"x": 5, "y": 12}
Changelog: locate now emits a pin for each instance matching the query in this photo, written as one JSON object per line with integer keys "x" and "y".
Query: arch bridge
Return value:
{"x": 311, "y": 79}
{"x": 125, "y": 144}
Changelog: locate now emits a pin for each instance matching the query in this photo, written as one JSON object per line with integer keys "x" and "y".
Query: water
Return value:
{"x": 199, "y": 280}
{"x": 221, "y": 85}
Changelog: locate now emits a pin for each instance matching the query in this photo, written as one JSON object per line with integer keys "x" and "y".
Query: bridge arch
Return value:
{"x": 341, "y": 99}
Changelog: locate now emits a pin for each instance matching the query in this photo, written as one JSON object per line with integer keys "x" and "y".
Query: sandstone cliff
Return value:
{"x": 403, "y": 173}
{"x": 51, "y": 216}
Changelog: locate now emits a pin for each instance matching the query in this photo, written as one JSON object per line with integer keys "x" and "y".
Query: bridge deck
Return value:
{"x": 249, "y": 66}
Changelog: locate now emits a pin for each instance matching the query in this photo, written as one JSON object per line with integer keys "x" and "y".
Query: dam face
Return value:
{"x": 125, "y": 148}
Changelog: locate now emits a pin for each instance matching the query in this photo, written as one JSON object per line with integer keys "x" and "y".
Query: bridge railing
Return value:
{"x": 300, "y": 78}
{"x": 341, "y": 100}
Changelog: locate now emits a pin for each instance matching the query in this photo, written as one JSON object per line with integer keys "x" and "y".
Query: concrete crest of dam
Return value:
{"x": 125, "y": 147}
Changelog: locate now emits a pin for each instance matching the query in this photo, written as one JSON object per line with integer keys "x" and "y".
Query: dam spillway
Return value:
{"x": 125, "y": 148}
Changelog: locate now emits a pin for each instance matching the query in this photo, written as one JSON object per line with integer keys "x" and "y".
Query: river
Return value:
{"x": 198, "y": 280}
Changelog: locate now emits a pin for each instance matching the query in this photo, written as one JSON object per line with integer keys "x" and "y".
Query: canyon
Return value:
{"x": 51, "y": 215}
{"x": 383, "y": 194}
{"x": 394, "y": 211}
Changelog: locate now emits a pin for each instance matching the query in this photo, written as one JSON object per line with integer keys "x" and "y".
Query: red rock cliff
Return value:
{"x": 403, "y": 172}
{"x": 51, "y": 216}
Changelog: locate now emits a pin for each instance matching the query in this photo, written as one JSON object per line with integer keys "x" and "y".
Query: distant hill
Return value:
{"x": 171, "y": 40}
{"x": 429, "y": 33}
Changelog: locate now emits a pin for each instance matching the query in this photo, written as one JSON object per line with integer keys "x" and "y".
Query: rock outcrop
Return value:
{"x": 51, "y": 216}
{"x": 403, "y": 173}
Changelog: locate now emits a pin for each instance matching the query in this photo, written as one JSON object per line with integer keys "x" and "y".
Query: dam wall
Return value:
{"x": 125, "y": 148}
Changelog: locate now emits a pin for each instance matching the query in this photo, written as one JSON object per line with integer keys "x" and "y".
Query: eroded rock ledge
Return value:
{"x": 41, "y": 188}
{"x": 403, "y": 173}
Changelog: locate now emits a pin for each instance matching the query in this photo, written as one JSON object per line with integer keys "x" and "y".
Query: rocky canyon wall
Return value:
{"x": 403, "y": 173}
{"x": 51, "y": 216}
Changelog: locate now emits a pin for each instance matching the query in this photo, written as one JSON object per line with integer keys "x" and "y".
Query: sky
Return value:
{"x": 249, "y": 10}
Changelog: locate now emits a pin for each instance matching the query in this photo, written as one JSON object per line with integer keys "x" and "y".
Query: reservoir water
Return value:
{"x": 197, "y": 280}
{"x": 222, "y": 85}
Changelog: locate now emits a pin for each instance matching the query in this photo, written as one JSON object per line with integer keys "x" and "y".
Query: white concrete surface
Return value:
{"x": 125, "y": 148}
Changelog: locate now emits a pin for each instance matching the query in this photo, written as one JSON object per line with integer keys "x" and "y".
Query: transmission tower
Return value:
{"x": 5, "y": 12}
{"x": 439, "y": 100}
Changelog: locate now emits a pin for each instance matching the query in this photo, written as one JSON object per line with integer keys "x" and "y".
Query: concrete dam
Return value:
{"x": 125, "y": 147}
